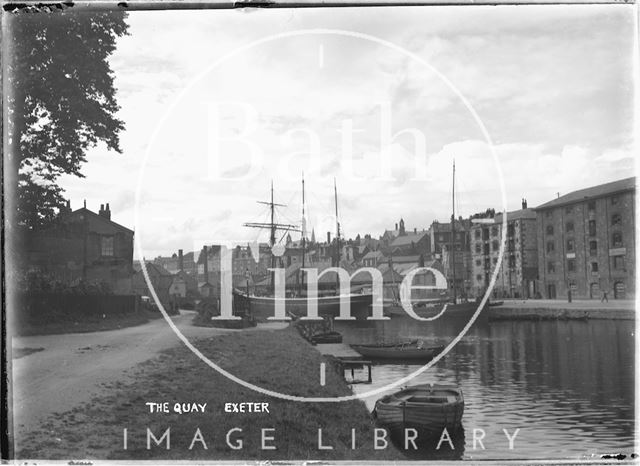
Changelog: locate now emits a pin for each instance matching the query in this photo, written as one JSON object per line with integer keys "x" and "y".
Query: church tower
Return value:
{"x": 402, "y": 232}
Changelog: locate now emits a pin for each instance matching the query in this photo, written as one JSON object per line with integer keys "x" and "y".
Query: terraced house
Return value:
{"x": 586, "y": 242}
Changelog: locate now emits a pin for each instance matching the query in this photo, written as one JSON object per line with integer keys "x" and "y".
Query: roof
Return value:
{"x": 446, "y": 226}
{"x": 405, "y": 259}
{"x": 409, "y": 238}
{"x": 372, "y": 255}
{"x": 627, "y": 184}
{"x": 529, "y": 214}
{"x": 104, "y": 219}
{"x": 153, "y": 269}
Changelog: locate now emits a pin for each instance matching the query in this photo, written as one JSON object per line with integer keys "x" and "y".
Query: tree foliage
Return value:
{"x": 61, "y": 101}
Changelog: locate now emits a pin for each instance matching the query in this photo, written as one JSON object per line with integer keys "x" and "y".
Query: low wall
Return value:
{"x": 47, "y": 307}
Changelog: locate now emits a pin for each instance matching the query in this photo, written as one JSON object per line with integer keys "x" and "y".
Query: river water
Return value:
{"x": 567, "y": 385}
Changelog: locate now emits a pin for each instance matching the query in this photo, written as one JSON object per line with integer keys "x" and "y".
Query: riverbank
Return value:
{"x": 277, "y": 360}
{"x": 557, "y": 309}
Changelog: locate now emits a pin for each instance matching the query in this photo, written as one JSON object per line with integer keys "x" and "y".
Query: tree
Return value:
{"x": 61, "y": 102}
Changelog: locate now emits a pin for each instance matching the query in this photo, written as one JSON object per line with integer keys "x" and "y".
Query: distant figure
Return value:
{"x": 604, "y": 296}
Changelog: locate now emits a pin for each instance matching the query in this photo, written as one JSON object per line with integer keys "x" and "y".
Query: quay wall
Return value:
{"x": 544, "y": 313}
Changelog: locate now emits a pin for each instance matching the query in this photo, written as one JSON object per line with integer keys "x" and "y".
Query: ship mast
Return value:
{"x": 304, "y": 239}
{"x": 335, "y": 192}
{"x": 452, "y": 257}
{"x": 273, "y": 226}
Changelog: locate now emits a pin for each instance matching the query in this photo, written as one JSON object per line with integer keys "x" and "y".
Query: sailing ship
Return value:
{"x": 262, "y": 307}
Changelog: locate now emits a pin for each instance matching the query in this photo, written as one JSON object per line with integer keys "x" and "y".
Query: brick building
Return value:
{"x": 83, "y": 245}
{"x": 586, "y": 242}
{"x": 518, "y": 273}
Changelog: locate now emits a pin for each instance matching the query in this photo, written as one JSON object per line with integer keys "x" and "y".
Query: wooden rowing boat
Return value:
{"x": 429, "y": 408}
{"x": 414, "y": 350}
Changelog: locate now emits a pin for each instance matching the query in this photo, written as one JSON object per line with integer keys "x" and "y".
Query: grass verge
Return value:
{"x": 279, "y": 360}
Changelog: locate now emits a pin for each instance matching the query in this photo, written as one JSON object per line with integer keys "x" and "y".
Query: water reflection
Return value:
{"x": 567, "y": 385}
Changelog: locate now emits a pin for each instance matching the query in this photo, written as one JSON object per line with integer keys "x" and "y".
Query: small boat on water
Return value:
{"x": 428, "y": 407}
{"x": 414, "y": 350}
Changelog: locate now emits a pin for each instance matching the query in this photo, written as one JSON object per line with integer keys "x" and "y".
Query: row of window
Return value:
{"x": 487, "y": 261}
{"x": 591, "y": 206}
{"x": 484, "y": 233}
{"x": 616, "y": 219}
{"x": 618, "y": 264}
{"x": 616, "y": 242}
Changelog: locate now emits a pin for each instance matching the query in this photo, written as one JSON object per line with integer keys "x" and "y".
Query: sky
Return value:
{"x": 218, "y": 104}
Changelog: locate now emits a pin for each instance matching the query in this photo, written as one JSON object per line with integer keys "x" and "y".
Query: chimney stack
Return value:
{"x": 415, "y": 231}
{"x": 328, "y": 237}
{"x": 180, "y": 261}
{"x": 101, "y": 211}
{"x": 524, "y": 203}
{"x": 107, "y": 212}
{"x": 396, "y": 227}
{"x": 205, "y": 265}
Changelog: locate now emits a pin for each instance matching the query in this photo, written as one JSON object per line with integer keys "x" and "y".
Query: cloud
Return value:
{"x": 552, "y": 85}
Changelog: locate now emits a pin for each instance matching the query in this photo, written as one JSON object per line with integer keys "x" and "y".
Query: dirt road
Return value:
{"x": 60, "y": 372}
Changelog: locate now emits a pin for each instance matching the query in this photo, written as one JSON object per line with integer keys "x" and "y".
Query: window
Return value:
{"x": 549, "y": 229}
{"x": 551, "y": 246}
{"x": 478, "y": 234}
{"x": 512, "y": 261}
{"x": 594, "y": 266}
{"x": 495, "y": 245}
{"x": 485, "y": 233}
{"x": 478, "y": 262}
{"x": 570, "y": 245}
{"x": 486, "y": 249}
{"x": 618, "y": 262}
{"x": 494, "y": 231}
{"x": 571, "y": 265}
{"x": 548, "y": 214}
{"x": 487, "y": 263}
{"x": 107, "y": 246}
{"x": 616, "y": 219}
{"x": 614, "y": 200}
{"x": 591, "y": 206}
{"x": 592, "y": 228}
{"x": 593, "y": 248}
{"x": 568, "y": 209}
{"x": 551, "y": 267}
{"x": 495, "y": 260}
{"x": 570, "y": 227}
{"x": 478, "y": 247}
{"x": 479, "y": 278}
{"x": 511, "y": 229}
{"x": 617, "y": 240}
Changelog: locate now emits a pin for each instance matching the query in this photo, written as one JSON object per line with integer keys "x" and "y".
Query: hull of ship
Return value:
{"x": 263, "y": 307}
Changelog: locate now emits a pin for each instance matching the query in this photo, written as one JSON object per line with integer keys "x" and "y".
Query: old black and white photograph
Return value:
{"x": 258, "y": 232}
